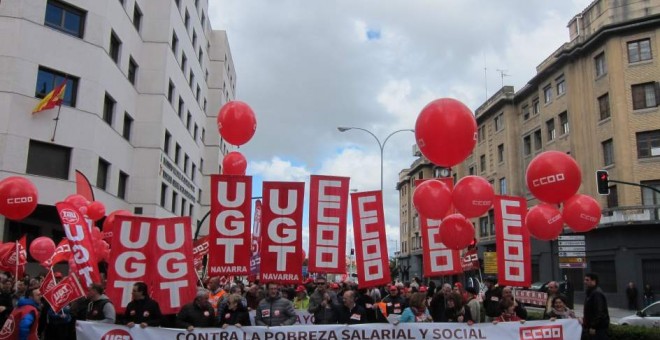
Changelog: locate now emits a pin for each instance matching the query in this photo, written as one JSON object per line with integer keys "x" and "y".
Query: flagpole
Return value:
{"x": 56, "y": 119}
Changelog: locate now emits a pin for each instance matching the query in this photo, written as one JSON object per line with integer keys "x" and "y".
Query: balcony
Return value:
{"x": 648, "y": 214}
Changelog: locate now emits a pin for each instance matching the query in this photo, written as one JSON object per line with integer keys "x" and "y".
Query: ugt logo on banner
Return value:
{"x": 80, "y": 239}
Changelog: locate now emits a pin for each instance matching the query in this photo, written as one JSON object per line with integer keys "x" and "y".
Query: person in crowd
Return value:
{"x": 492, "y": 298}
{"x": 417, "y": 311}
{"x": 142, "y": 310}
{"x": 553, "y": 292}
{"x": 632, "y": 294}
{"x": 275, "y": 310}
{"x": 439, "y": 302}
{"x": 301, "y": 301}
{"x": 337, "y": 289}
{"x": 19, "y": 291}
{"x": 198, "y": 313}
{"x": 236, "y": 314}
{"x": 216, "y": 292}
{"x": 6, "y": 303}
{"x": 222, "y": 305}
{"x": 58, "y": 326}
{"x": 431, "y": 287}
{"x": 649, "y": 296}
{"x": 252, "y": 296}
{"x": 415, "y": 283}
{"x": 473, "y": 304}
{"x": 350, "y": 312}
{"x": 26, "y": 317}
{"x": 99, "y": 308}
{"x": 508, "y": 307}
{"x": 596, "y": 317}
{"x": 507, "y": 292}
{"x": 458, "y": 288}
{"x": 456, "y": 311}
{"x": 560, "y": 309}
{"x": 394, "y": 302}
{"x": 323, "y": 303}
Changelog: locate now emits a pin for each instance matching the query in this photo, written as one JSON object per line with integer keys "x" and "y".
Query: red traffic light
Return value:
{"x": 602, "y": 182}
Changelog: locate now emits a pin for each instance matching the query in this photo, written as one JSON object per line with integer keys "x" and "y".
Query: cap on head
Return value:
{"x": 300, "y": 289}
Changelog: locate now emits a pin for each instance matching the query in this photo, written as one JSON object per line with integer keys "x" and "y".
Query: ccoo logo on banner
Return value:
{"x": 514, "y": 264}
{"x": 370, "y": 239}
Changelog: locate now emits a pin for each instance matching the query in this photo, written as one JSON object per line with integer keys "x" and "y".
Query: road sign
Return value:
{"x": 573, "y": 265}
{"x": 490, "y": 262}
{"x": 572, "y": 259}
{"x": 572, "y": 243}
{"x": 572, "y": 254}
{"x": 581, "y": 248}
{"x": 571, "y": 238}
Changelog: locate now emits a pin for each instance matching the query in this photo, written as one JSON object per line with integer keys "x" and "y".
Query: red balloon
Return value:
{"x": 236, "y": 122}
{"x": 110, "y": 219}
{"x": 446, "y": 132}
{"x": 544, "y": 222}
{"x": 95, "y": 210}
{"x": 553, "y": 177}
{"x": 79, "y": 202}
{"x": 97, "y": 235}
{"x": 101, "y": 250}
{"x": 456, "y": 231}
{"x": 581, "y": 212}
{"x": 432, "y": 199}
{"x": 472, "y": 196}
{"x": 234, "y": 163}
{"x": 42, "y": 248}
{"x": 18, "y": 198}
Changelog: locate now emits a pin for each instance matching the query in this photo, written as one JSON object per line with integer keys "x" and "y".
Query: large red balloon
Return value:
{"x": 236, "y": 122}
{"x": 95, "y": 210}
{"x": 234, "y": 163}
{"x": 581, "y": 213}
{"x": 18, "y": 198}
{"x": 79, "y": 202}
{"x": 446, "y": 132}
{"x": 432, "y": 199}
{"x": 472, "y": 196}
{"x": 544, "y": 222}
{"x": 110, "y": 219}
{"x": 553, "y": 177}
{"x": 42, "y": 248}
{"x": 456, "y": 231}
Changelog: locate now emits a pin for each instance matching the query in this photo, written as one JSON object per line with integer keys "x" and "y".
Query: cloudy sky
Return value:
{"x": 307, "y": 67}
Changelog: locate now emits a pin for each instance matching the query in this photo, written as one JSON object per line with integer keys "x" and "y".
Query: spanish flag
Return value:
{"x": 52, "y": 99}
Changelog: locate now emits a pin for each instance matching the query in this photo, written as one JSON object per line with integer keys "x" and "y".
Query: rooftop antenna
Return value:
{"x": 485, "y": 75}
{"x": 502, "y": 75}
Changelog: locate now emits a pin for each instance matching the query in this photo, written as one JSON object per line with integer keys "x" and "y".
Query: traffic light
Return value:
{"x": 602, "y": 181}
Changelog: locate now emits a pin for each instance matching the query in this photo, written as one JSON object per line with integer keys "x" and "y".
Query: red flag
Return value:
{"x": 328, "y": 204}
{"x": 80, "y": 239}
{"x": 65, "y": 292}
{"x": 200, "y": 248}
{"x": 13, "y": 257}
{"x": 229, "y": 230}
{"x": 370, "y": 240}
{"x": 83, "y": 187}
{"x": 514, "y": 260}
{"x": 48, "y": 283}
{"x": 281, "y": 241}
{"x": 62, "y": 254}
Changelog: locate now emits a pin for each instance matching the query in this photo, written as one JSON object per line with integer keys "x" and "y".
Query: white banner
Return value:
{"x": 530, "y": 330}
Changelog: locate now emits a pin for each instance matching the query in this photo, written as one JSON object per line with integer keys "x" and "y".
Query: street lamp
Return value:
{"x": 380, "y": 145}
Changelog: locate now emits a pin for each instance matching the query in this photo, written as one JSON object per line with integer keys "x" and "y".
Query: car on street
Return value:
{"x": 647, "y": 317}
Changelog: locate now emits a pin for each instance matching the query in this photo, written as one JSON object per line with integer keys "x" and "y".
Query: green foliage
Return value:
{"x": 620, "y": 332}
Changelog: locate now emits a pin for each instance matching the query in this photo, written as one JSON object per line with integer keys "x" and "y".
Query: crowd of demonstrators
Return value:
{"x": 418, "y": 311}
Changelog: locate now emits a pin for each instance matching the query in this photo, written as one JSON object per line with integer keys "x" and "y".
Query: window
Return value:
{"x": 613, "y": 197}
{"x": 536, "y": 106}
{"x": 525, "y": 112}
{"x": 193, "y": 171}
{"x": 102, "y": 174}
{"x": 175, "y": 43}
{"x": 563, "y": 122}
{"x": 503, "y": 190}
{"x": 115, "y": 46}
{"x": 186, "y": 20}
{"x": 599, "y": 62}
{"x": 608, "y": 152}
{"x": 121, "y": 2}
{"x": 199, "y": 56}
{"x": 550, "y": 127}
{"x": 491, "y": 221}
{"x": 639, "y": 50}
{"x": 128, "y": 126}
{"x": 499, "y": 122}
{"x": 137, "y": 17}
{"x": 184, "y": 62}
{"x": 561, "y": 86}
{"x": 471, "y": 171}
{"x": 51, "y": 160}
{"x": 650, "y": 197}
{"x": 181, "y": 104}
{"x": 163, "y": 194}
{"x": 645, "y": 95}
{"x": 206, "y": 77}
{"x": 204, "y": 106}
{"x": 185, "y": 164}
{"x": 177, "y": 153}
{"x": 547, "y": 94}
{"x": 607, "y": 275}
{"x": 65, "y": 18}
{"x": 178, "y": 3}
{"x": 175, "y": 198}
{"x": 184, "y": 205}
{"x": 648, "y": 144}
{"x": 170, "y": 93}
{"x": 166, "y": 144}
{"x": 132, "y": 70}
{"x": 481, "y": 134}
{"x": 194, "y": 39}
{"x": 500, "y": 153}
{"x": 188, "y": 121}
{"x": 196, "y": 3}
{"x": 604, "y": 106}
{"x": 123, "y": 183}
{"x": 483, "y": 226}
{"x": 48, "y": 79}
{"x": 108, "y": 109}
{"x": 191, "y": 78}
{"x": 482, "y": 163}
{"x": 195, "y": 130}
{"x": 197, "y": 92}
{"x": 538, "y": 142}
{"x": 527, "y": 145}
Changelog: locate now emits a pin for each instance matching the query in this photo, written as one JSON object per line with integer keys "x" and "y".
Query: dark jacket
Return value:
{"x": 193, "y": 315}
{"x": 101, "y": 310}
{"x": 324, "y": 315}
{"x": 596, "y": 315}
{"x": 395, "y": 304}
{"x": 492, "y": 300}
{"x": 145, "y": 310}
{"x": 353, "y": 316}
{"x": 452, "y": 314}
{"x": 239, "y": 315}
{"x": 437, "y": 308}
{"x": 276, "y": 311}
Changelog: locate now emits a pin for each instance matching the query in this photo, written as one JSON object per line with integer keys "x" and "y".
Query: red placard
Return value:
{"x": 514, "y": 264}
{"x": 229, "y": 231}
{"x": 78, "y": 232}
{"x": 370, "y": 239}
{"x": 470, "y": 260}
{"x": 200, "y": 249}
{"x": 62, "y": 253}
{"x": 157, "y": 252}
{"x": 255, "y": 259}
{"x": 281, "y": 238}
{"x": 328, "y": 205}
{"x": 63, "y": 293}
{"x": 438, "y": 259}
